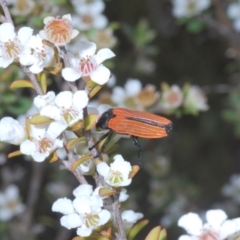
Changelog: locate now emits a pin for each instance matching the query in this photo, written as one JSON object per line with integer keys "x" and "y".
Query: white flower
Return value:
{"x": 233, "y": 12}
{"x": 83, "y": 189}
{"x": 196, "y": 99}
{"x": 130, "y": 217}
{"x": 104, "y": 38}
{"x": 36, "y": 54}
{"x": 89, "y": 18}
{"x": 172, "y": 98}
{"x": 59, "y": 31}
{"x": 11, "y": 44}
{"x": 21, "y": 8}
{"x": 123, "y": 195}
{"x": 217, "y": 227}
{"x": 87, "y": 63}
{"x": 131, "y": 88}
{"x": 10, "y": 204}
{"x": 84, "y": 212}
{"x": 232, "y": 189}
{"x": 41, "y": 101}
{"x": 43, "y": 141}
{"x": 189, "y": 8}
{"x": 67, "y": 107}
{"x": 117, "y": 174}
{"x": 11, "y": 131}
{"x": 84, "y": 5}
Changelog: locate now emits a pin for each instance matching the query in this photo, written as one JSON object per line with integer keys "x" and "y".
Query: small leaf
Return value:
{"x": 106, "y": 192}
{"x": 90, "y": 121}
{"x": 76, "y": 127}
{"x": 74, "y": 141}
{"x": 28, "y": 127}
{"x": 37, "y": 119}
{"x": 14, "y": 154}
{"x": 80, "y": 161}
{"x": 53, "y": 157}
{"x": 134, "y": 171}
{"x": 42, "y": 78}
{"x": 157, "y": 234}
{"x": 21, "y": 84}
{"x": 137, "y": 228}
{"x": 92, "y": 87}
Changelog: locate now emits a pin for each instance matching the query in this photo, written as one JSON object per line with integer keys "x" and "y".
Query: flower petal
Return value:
{"x": 191, "y": 222}
{"x": 70, "y": 74}
{"x": 101, "y": 75}
{"x": 104, "y": 54}
{"x": 63, "y": 205}
{"x": 215, "y": 218}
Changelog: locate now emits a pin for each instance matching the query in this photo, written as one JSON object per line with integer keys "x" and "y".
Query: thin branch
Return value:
{"x": 118, "y": 218}
{"x": 6, "y": 11}
{"x": 32, "y": 198}
{"x": 72, "y": 85}
{"x": 33, "y": 79}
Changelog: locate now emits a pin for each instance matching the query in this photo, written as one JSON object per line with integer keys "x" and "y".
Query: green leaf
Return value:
{"x": 43, "y": 81}
{"x": 137, "y": 228}
{"x": 20, "y": 106}
{"x": 14, "y": 154}
{"x": 80, "y": 161}
{"x": 38, "y": 119}
{"x": 21, "y": 84}
{"x": 157, "y": 234}
{"x": 90, "y": 121}
{"x": 74, "y": 141}
{"x": 8, "y": 97}
{"x": 195, "y": 26}
{"x": 106, "y": 192}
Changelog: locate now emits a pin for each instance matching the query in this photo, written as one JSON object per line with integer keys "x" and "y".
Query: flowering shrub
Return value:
{"x": 68, "y": 67}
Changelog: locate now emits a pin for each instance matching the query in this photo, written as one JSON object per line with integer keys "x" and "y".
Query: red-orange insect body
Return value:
{"x": 135, "y": 123}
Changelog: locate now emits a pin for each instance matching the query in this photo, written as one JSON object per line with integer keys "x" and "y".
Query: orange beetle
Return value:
{"x": 134, "y": 123}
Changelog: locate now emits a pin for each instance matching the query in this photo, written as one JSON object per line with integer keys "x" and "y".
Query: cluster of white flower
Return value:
{"x": 86, "y": 211}
{"x": 232, "y": 189}
{"x": 189, "y": 8}
{"x": 10, "y": 204}
{"x": 233, "y": 12}
{"x": 192, "y": 99}
{"x": 216, "y": 227}
{"x": 89, "y": 14}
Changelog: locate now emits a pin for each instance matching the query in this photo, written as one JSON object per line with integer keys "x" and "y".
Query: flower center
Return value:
{"x": 87, "y": 65}
{"x": 59, "y": 31}
{"x": 173, "y": 97}
{"x": 44, "y": 145}
{"x": 12, "y": 49}
{"x": 115, "y": 177}
{"x": 92, "y": 220}
{"x": 69, "y": 115}
{"x": 191, "y": 5}
{"x": 88, "y": 19}
{"x": 209, "y": 234}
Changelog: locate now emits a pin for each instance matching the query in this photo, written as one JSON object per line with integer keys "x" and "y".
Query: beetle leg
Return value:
{"x": 137, "y": 144}
{"x": 107, "y": 136}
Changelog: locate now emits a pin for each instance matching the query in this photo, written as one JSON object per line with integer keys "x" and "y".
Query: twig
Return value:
{"x": 118, "y": 218}
{"x": 6, "y": 11}
{"x": 32, "y": 197}
{"x": 33, "y": 79}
